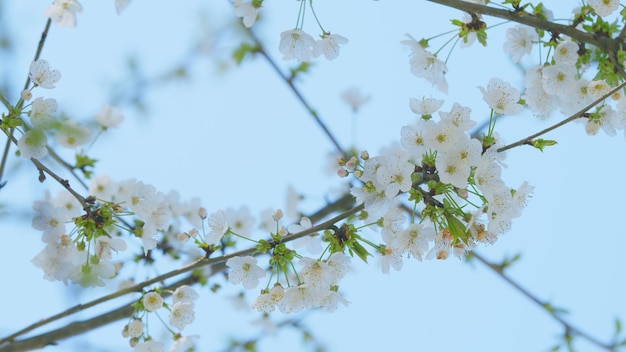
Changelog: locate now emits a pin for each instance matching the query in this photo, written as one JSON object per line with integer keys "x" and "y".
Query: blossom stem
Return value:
{"x": 315, "y": 16}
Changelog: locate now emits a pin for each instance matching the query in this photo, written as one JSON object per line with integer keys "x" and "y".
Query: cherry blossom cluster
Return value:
{"x": 314, "y": 285}
{"x": 566, "y": 81}
{"x": 453, "y": 181}
{"x": 44, "y": 119}
{"x": 181, "y": 314}
{"x": 84, "y": 254}
{"x": 571, "y": 76}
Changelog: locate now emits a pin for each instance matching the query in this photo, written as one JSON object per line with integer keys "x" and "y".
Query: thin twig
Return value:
{"x": 567, "y": 325}
{"x": 298, "y": 95}
{"x": 579, "y": 114}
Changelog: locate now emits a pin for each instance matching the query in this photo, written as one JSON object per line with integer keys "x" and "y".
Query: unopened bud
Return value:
{"x": 278, "y": 214}
{"x": 341, "y": 172}
{"x": 26, "y": 95}
{"x": 202, "y": 213}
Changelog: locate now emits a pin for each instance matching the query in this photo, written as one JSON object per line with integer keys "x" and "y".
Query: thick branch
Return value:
{"x": 602, "y": 42}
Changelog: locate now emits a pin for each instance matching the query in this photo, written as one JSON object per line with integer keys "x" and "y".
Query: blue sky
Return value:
{"x": 238, "y": 137}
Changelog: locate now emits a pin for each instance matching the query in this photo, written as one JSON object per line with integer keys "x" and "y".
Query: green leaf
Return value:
{"x": 457, "y": 228}
{"x": 542, "y": 143}
{"x": 243, "y": 50}
{"x": 360, "y": 251}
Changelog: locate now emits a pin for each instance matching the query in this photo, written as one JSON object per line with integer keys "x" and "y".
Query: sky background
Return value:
{"x": 236, "y": 136}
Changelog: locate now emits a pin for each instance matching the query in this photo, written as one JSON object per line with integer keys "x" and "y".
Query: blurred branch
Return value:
{"x": 554, "y": 313}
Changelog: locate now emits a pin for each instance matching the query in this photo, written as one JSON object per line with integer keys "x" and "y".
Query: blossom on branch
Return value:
{"x": 247, "y": 11}
{"x": 426, "y": 65}
{"x": 296, "y": 44}
{"x": 63, "y": 12}
{"x": 329, "y": 46}
{"x": 41, "y": 74}
{"x": 244, "y": 270}
{"x": 502, "y": 97}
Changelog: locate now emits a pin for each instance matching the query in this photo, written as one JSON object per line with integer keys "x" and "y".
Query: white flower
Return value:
{"x": 264, "y": 303}
{"x": 184, "y": 293}
{"x": 42, "y": 113}
{"x": 425, "y": 106}
{"x": 566, "y": 53}
{"x": 443, "y": 135}
{"x": 375, "y": 200}
{"x": 102, "y": 187}
{"x": 455, "y": 164}
{"x": 244, "y": 270}
{"x": 181, "y": 315}
{"x": 246, "y": 11}
{"x": 109, "y": 116}
{"x": 152, "y": 301}
{"x": 501, "y": 97}
{"x": 184, "y": 344}
{"x": 219, "y": 226}
{"x": 41, "y": 74}
{"x": 241, "y": 220}
{"x": 413, "y": 138}
{"x": 105, "y": 246}
{"x": 538, "y": 101}
{"x": 33, "y": 144}
{"x": 519, "y": 41}
{"x": 604, "y": 7}
{"x": 296, "y": 44}
{"x": 72, "y": 135}
{"x": 395, "y": 175}
{"x": 297, "y": 298}
{"x": 426, "y": 65}
{"x": 329, "y": 46}
{"x": 58, "y": 259}
{"x": 487, "y": 175}
{"x": 559, "y": 79}
{"x": 317, "y": 274}
{"x": 597, "y": 89}
{"x": 443, "y": 243}
{"x": 459, "y": 116}
{"x": 605, "y": 118}
{"x": 415, "y": 240}
{"x": 150, "y": 346}
{"x": 63, "y": 12}
{"x": 330, "y": 300}
{"x": 312, "y": 242}
{"x": 134, "y": 329}
{"x": 394, "y": 221}
{"x": 390, "y": 258}
{"x": 51, "y": 220}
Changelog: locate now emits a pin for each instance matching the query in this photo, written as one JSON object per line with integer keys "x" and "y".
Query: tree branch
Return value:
{"x": 602, "y": 42}
{"x": 567, "y": 325}
{"x": 7, "y": 343}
